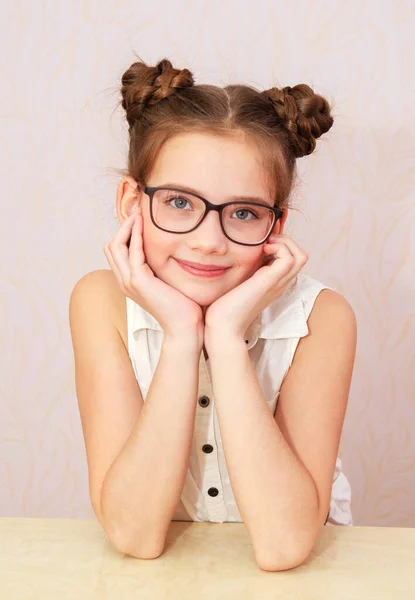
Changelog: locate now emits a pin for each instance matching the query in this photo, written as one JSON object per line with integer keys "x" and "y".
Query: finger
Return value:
{"x": 292, "y": 246}
{"x": 279, "y": 250}
{"x": 136, "y": 255}
{"x": 279, "y": 266}
{"x": 119, "y": 250}
{"x": 285, "y": 261}
{"x": 113, "y": 266}
{"x": 299, "y": 255}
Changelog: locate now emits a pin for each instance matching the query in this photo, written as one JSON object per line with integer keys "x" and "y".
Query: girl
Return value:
{"x": 212, "y": 376}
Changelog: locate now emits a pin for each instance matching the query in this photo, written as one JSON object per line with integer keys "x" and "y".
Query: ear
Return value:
{"x": 278, "y": 227}
{"x": 128, "y": 197}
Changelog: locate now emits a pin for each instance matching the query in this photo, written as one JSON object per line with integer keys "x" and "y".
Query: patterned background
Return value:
{"x": 61, "y": 137}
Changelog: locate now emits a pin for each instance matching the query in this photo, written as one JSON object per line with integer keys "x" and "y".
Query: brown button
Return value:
{"x": 204, "y": 401}
{"x": 213, "y": 491}
{"x": 207, "y": 448}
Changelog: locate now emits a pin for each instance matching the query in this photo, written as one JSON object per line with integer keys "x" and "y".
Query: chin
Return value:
{"x": 203, "y": 299}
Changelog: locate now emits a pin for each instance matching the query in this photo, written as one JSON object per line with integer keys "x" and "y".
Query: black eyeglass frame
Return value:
{"x": 150, "y": 191}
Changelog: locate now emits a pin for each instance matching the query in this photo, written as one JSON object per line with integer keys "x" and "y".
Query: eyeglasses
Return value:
{"x": 177, "y": 211}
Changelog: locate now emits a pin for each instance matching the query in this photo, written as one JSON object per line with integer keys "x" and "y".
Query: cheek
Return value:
{"x": 157, "y": 245}
{"x": 252, "y": 262}
{"x": 256, "y": 258}
{"x": 151, "y": 244}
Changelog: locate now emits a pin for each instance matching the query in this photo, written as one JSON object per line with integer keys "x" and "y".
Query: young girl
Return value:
{"x": 212, "y": 376}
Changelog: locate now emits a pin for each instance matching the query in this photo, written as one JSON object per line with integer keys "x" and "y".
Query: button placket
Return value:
{"x": 207, "y": 449}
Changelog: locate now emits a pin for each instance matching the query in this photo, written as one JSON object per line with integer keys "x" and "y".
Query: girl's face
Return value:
{"x": 217, "y": 168}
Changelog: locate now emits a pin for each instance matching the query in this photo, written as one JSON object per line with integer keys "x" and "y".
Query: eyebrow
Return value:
{"x": 190, "y": 190}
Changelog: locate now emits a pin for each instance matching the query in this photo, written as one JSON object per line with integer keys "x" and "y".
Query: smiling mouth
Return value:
{"x": 201, "y": 272}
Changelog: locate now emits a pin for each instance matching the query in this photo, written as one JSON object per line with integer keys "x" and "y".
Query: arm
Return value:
{"x": 137, "y": 452}
{"x": 144, "y": 484}
{"x": 281, "y": 469}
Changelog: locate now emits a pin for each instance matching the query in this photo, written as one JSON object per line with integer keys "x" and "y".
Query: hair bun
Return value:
{"x": 144, "y": 86}
{"x": 304, "y": 114}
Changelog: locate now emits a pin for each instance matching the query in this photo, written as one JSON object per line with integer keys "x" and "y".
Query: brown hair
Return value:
{"x": 162, "y": 101}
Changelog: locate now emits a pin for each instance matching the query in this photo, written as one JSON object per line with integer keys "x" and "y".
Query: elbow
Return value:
{"x": 283, "y": 560}
{"x": 127, "y": 540}
{"x": 268, "y": 563}
{"x": 134, "y": 545}
{"x": 131, "y": 543}
{"x": 137, "y": 550}
{"x": 285, "y": 551}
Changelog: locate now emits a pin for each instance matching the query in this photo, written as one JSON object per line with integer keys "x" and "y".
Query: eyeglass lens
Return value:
{"x": 180, "y": 212}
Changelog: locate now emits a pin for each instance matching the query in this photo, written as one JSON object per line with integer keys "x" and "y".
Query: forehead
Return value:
{"x": 215, "y": 165}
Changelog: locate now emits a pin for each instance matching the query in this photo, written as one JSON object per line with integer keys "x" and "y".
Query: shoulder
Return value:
{"x": 332, "y": 318}
{"x": 100, "y": 284}
{"x": 327, "y": 304}
{"x": 99, "y": 290}
{"x": 331, "y": 321}
{"x": 330, "y": 304}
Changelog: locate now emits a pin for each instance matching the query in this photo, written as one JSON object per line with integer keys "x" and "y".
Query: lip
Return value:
{"x": 201, "y": 267}
{"x": 201, "y": 270}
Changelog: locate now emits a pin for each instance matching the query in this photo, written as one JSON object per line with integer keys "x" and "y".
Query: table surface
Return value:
{"x": 73, "y": 558}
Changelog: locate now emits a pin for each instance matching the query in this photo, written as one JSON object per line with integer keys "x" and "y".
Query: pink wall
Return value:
{"x": 60, "y": 68}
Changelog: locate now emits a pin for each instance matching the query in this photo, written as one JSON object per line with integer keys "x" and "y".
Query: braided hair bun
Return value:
{"x": 304, "y": 114}
{"x": 143, "y": 86}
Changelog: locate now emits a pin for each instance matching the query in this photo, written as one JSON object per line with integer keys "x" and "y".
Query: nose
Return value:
{"x": 208, "y": 236}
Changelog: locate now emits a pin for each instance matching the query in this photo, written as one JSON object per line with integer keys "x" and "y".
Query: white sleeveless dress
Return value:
{"x": 271, "y": 340}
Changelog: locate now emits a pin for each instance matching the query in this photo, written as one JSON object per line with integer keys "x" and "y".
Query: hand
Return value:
{"x": 176, "y": 313}
{"x": 232, "y": 313}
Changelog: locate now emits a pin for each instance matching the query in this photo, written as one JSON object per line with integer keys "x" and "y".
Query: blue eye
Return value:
{"x": 178, "y": 199}
{"x": 244, "y": 210}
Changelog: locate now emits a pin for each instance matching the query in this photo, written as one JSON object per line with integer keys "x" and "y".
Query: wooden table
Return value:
{"x": 63, "y": 559}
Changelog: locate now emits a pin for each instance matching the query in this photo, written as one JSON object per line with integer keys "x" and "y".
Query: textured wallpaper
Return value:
{"x": 62, "y": 136}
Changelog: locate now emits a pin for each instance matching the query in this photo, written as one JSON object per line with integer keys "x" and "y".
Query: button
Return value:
{"x": 204, "y": 401}
{"x": 207, "y": 448}
{"x": 213, "y": 491}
